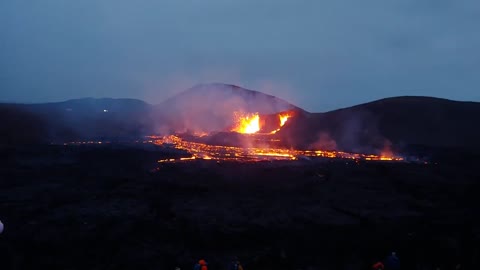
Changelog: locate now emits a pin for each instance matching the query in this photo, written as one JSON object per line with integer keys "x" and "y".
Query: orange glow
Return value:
{"x": 246, "y": 123}
{"x": 219, "y": 152}
{"x": 283, "y": 119}
{"x": 187, "y": 158}
{"x": 202, "y": 151}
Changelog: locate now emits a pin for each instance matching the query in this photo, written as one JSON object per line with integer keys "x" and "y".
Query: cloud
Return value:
{"x": 329, "y": 54}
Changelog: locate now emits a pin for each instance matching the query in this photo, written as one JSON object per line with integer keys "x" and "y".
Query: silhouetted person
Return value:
{"x": 392, "y": 262}
{"x": 378, "y": 266}
{"x": 235, "y": 265}
{"x": 201, "y": 265}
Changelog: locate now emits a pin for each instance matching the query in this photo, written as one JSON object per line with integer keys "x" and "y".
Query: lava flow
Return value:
{"x": 259, "y": 133}
{"x": 283, "y": 119}
{"x": 219, "y": 152}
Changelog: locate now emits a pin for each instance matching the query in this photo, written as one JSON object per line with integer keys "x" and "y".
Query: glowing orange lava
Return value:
{"x": 283, "y": 119}
{"x": 202, "y": 151}
{"x": 246, "y": 123}
{"x": 219, "y": 152}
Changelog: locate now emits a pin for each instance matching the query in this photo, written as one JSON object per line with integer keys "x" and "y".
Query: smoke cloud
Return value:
{"x": 324, "y": 142}
{"x": 211, "y": 107}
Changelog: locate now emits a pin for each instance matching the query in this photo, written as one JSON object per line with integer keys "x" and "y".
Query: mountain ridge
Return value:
{"x": 402, "y": 120}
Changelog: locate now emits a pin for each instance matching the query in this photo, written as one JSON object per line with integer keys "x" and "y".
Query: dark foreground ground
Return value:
{"x": 106, "y": 208}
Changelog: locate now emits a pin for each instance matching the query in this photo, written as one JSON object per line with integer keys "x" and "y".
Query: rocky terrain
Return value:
{"x": 112, "y": 207}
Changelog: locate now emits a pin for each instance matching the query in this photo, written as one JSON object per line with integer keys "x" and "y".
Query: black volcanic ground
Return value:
{"x": 107, "y": 207}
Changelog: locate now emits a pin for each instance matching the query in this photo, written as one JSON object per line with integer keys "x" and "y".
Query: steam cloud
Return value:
{"x": 324, "y": 142}
{"x": 210, "y": 107}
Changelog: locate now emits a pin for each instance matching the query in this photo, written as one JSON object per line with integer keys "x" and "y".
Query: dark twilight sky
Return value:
{"x": 320, "y": 55}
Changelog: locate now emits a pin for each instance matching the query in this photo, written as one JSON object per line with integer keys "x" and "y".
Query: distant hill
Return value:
{"x": 209, "y": 107}
{"x": 401, "y": 121}
{"x": 203, "y": 108}
{"x": 74, "y": 119}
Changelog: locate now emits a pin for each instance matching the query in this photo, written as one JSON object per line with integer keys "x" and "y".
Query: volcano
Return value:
{"x": 207, "y": 108}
